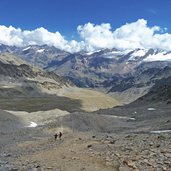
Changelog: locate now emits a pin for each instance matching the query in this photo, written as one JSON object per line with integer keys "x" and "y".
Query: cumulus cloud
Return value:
{"x": 129, "y": 36}
{"x": 40, "y": 36}
{"x": 96, "y": 36}
{"x": 92, "y": 37}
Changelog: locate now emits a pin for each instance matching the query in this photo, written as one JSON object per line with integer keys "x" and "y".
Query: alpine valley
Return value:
{"x": 124, "y": 74}
{"x": 112, "y": 106}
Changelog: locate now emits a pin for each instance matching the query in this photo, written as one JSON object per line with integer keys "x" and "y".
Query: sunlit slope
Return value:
{"x": 91, "y": 100}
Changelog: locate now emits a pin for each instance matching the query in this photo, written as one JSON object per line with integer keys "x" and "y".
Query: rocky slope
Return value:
{"x": 23, "y": 87}
{"x": 126, "y": 75}
{"x": 132, "y": 137}
{"x": 120, "y": 139}
{"x": 17, "y": 75}
{"x": 80, "y": 151}
{"x": 159, "y": 93}
{"x": 36, "y": 55}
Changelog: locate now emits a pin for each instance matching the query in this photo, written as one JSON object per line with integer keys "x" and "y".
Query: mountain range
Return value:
{"x": 124, "y": 74}
{"x": 44, "y": 90}
{"x": 24, "y": 86}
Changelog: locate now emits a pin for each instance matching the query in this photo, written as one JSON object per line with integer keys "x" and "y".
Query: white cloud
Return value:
{"x": 93, "y": 37}
{"x": 39, "y": 36}
{"x": 96, "y": 36}
{"x": 129, "y": 36}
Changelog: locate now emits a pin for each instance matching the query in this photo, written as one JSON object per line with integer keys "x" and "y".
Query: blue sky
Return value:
{"x": 65, "y": 15}
{"x": 90, "y": 25}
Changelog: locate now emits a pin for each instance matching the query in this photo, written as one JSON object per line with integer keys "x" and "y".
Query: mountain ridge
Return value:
{"x": 111, "y": 70}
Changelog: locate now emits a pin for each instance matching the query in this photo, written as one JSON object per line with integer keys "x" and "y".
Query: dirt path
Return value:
{"x": 72, "y": 153}
{"x": 87, "y": 151}
{"x": 34, "y": 149}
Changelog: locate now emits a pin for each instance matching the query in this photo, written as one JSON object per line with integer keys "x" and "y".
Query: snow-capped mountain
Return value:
{"x": 144, "y": 55}
{"x": 34, "y": 54}
{"x": 42, "y": 55}
{"x": 106, "y": 68}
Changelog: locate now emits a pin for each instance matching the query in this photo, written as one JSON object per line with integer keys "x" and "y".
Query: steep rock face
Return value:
{"x": 160, "y": 92}
{"x": 147, "y": 77}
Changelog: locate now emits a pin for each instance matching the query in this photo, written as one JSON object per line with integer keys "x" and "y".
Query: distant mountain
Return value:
{"x": 161, "y": 91}
{"x": 94, "y": 69}
{"x": 29, "y": 88}
{"x": 128, "y": 74}
{"x": 18, "y": 78}
{"x": 34, "y": 54}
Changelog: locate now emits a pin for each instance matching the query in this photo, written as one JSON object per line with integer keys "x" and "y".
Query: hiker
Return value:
{"x": 60, "y": 135}
{"x": 56, "y": 136}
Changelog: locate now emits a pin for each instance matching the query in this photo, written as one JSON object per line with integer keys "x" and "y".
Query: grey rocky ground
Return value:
{"x": 91, "y": 152}
{"x": 91, "y": 141}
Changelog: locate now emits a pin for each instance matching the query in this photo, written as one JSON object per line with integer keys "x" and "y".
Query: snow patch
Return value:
{"x": 151, "y": 109}
{"x": 138, "y": 53}
{"x": 32, "y": 125}
{"x": 90, "y": 53}
{"x": 115, "y": 53}
{"x": 40, "y": 50}
{"x": 119, "y": 117}
{"x": 27, "y": 48}
{"x": 162, "y": 56}
{"x": 160, "y": 131}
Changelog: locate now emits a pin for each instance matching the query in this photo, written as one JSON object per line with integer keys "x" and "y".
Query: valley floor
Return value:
{"x": 85, "y": 151}
{"x": 119, "y": 139}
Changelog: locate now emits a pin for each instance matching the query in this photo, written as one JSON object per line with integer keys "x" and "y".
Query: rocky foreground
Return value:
{"x": 31, "y": 150}
{"x": 127, "y": 138}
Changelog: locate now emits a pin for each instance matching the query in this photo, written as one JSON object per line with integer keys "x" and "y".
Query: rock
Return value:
{"x": 63, "y": 157}
{"x": 117, "y": 154}
{"x": 158, "y": 145}
{"x": 147, "y": 162}
{"x": 14, "y": 169}
{"x": 163, "y": 151}
{"x": 161, "y": 137}
{"x": 5, "y": 155}
{"x": 49, "y": 168}
{"x": 112, "y": 141}
{"x": 168, "y": 155}
{"x": 128, "y": 136}
{"x": 151, "y": 144}
{"x": 116, "y": 165}
{"x": 169, "y": 101}
{"x": 88, "y": 146}
{"x": 109, "y": 163}
{"x": 135, "y": 158}
{"x": 75, "y": 158}
{"x": 38, "y": 166}
{"x": 128, "y": 148}
{"x": 72, "y": 151}
{"x": 3, "y": 162}
{"x": 108, "y": 159}
{"x": 8, "y": 168}
{"x": 122, "y": 168}
{"x": 130, "y": 163}
{"x": 164, "y": 168}
{"x": 167, "y": 162}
